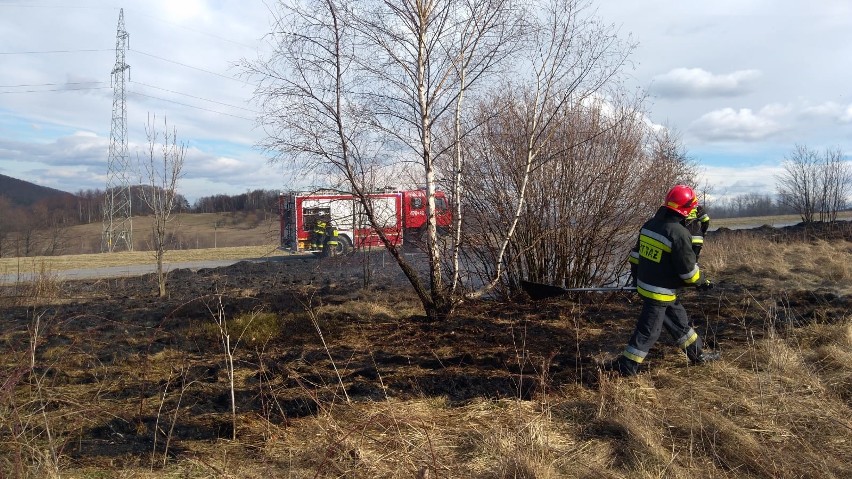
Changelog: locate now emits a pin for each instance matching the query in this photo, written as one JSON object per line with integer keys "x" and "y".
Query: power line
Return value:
{"x": 196, "y": 97}
{"x": 193, "y": 29}
{"x": 30, "y": 5}
{"x": 188, "y": 66}
{"x": 51, "y": 84}
{"x": 190, "y": 106}
{"x": 56, "y": 51}
{"x": 135, "y": 82}
{"x": 136, "y": 93}
{"x": 137, "y": 12}
{"x": 144, "y": 84}
{"x": 56, "y": 89}
{"x": 134, "y": 51}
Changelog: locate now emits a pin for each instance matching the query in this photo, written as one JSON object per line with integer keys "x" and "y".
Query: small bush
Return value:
{"x": 251, "y": 328}
{"x": 256, "y": 328}
{"x": 44, "y": 288}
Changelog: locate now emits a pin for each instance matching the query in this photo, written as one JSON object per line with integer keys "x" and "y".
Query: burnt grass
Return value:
{"x": 124, "y": 362}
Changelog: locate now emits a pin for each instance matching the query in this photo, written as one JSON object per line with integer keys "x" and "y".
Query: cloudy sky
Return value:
{"x": 742, "y": 82}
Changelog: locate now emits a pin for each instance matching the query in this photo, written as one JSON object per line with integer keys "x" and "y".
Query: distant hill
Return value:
{"x": 24, "y": 193}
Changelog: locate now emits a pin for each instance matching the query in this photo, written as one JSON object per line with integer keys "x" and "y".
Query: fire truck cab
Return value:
{"x": 401, "y": 216}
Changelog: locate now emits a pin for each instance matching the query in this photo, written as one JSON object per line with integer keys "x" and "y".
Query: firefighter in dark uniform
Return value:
{"x": 697, "y": 222}
{"x": 330, "y": 248}
{"x": 318, "y": 234}
{"x": 663, "y": 262}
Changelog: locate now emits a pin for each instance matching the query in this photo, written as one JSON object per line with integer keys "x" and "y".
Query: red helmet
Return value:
{"x": 681, "y": 199}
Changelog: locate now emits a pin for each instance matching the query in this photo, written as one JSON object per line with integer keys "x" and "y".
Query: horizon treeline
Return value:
{"x": 38, "y": 228}
{"x": 86, "y": 206}
{"x": 748, "y": 204}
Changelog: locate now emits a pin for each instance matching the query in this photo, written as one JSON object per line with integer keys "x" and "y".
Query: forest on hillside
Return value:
{"x": 38, "y": 229}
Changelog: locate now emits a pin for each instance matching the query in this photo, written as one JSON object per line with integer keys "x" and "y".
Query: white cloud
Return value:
{"x": 827, "y": 109}
{"x": 730, "y": 181}
{"x": 831, "y": 111}
{"x": 741, "y": 125}
{"x": 847, "y": 115}
{"x": 224, "y": 164}
{"x": 183, "y": 10}
{"x": 697, "y": 82}
{"x": 85, "y": 134}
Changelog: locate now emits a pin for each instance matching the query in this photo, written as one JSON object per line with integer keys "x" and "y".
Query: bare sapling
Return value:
{"x": 315, "y": 321}
{"x": 219, "y": 317}
{"x": 230, "y": 343}
{"x": 180, "y": 374}
{"x": 46, "y": 287}
{"x": 163, "y": 170}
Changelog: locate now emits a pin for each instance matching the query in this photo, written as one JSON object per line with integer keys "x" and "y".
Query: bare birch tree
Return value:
{"x": 428, "y": 55}
{"x": 163, "y": 168}
{"x": 354, "y": 86}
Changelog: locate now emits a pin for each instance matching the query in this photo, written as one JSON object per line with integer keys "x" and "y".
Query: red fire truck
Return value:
{"x": 401, "y": 215}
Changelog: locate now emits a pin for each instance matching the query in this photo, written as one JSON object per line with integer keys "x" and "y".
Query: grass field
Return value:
{"x": 756, "y": 221}
{"x": 124, "y": 258}
{"x": 284, "y": 370}
{"x": 205, "y": 236}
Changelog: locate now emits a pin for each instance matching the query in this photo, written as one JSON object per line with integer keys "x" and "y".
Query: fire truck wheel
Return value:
{"x": 343, "y": 246}
{"x": 414, "y": 238}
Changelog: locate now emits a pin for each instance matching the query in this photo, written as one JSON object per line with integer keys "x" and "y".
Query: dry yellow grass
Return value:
{"x": 768, "y": 413}
{"x": 798, "y": 265}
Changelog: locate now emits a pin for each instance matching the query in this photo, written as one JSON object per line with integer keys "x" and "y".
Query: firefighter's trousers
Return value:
{"x": 654, "y": 317}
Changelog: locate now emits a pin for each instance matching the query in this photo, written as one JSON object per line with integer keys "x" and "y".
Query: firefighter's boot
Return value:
{"x": 624, "y": 366}
{"x": 706, "y": 357}
{"x": 698, "y": 356}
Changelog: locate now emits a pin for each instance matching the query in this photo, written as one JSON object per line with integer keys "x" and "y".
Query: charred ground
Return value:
{"x": 116, "y": 357}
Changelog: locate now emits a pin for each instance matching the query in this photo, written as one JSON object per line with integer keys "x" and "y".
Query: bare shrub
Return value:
{"x": 592, "y": 187}
{"x": 41, "y": 287}
{"x": 178, "y": 376}
{"x": 815, "y": 185}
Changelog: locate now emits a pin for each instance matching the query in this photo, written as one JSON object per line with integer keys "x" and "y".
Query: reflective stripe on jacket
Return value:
{"x": 697, "y": 222}
{"x": 664, "y": 259}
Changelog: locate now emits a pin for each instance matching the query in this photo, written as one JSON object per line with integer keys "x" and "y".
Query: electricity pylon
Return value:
{"x": 118, "y": 224}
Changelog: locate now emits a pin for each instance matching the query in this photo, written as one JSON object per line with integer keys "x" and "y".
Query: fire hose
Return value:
{"x": 542, "y": 291}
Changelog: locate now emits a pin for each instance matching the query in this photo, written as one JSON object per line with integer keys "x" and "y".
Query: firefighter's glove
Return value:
{"x": 706, "y": 286}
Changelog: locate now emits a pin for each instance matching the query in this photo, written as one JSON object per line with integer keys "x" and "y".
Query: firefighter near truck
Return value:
{"x": 330, "y": 223}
